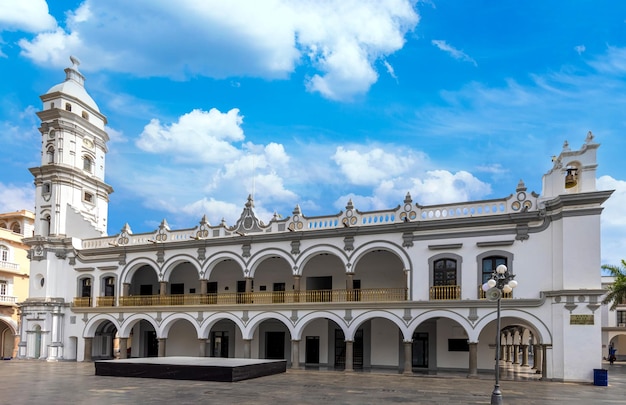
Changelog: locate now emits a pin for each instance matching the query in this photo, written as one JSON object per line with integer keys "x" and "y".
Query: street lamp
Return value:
{"x": 501, "y": 281}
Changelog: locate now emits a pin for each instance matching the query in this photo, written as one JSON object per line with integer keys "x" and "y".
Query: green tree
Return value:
{"x": 617, "y": 290}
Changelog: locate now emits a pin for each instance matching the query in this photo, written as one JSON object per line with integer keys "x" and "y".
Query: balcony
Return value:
{"x": 12, "y": 267}
{"x": 482, "y": 296}
{"x": 262, "y": 298}
{"x": 7, "y": 299}
{"x": 445, "y": 292}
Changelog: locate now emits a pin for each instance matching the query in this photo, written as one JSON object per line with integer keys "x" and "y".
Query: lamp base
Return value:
{"x": 496, "y": 395}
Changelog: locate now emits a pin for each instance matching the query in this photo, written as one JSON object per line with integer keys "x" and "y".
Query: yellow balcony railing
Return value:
{"x": 268, "y": 297}
{"x": 482, "y": 296}
{"x": 105, "y": 301}
{"x": 445, "y": 292}
{"x": 82, "y": 302}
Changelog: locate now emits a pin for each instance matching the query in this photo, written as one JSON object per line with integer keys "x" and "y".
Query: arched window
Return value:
{"x": 444, "y": 272}
{"x": 489, "y": 265}
{"x": 46, "y": 188}
{"x": 4, "y": 253}
{"x": 46, "y": 225}
{"x": 109, "y": 287}
{"x": 50, "y": 154}
{"x": 68, "y": 107}
{"x": 16, "y": 227}
{"x": 87, "y": 164}
{"x": 85, "y": 115}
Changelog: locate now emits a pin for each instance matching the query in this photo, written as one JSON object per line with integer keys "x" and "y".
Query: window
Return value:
{"x": 621, "y": 318}
{"x": 68, "y": 107}
{"x": 50, "y": 154}
{"x": 444, "y": 272}
{"x": 3, "y": 287}
{"x": 85, "y": 115}
{"x": 16, "y": 227}
{"x": 88, "y": 197}
{"x": 4, "y": 253}
{"x": 87, "y": 164}
{"x": 45, "y": 189}
{"x": 489, "y": 265}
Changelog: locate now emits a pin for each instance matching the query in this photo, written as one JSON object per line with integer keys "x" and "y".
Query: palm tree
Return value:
{"x": 617, "y": 290}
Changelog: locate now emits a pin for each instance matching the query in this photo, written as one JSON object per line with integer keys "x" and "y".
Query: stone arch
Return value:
{"x": 530, "y": 321}
{"x": 218, "y": 257}
{"x": 440, "y": 313}
{"x": 362, "y": 250}
{"x": 308, "y": 318}
{"x": 10, "y": 323}
{"x": 171, "y": 319}
{"x": 208, "y": 323}
{"x": 248, "y": 331}
{"x": 171, "y": 264}
{"x": 92, "y": 325}
{"x": 126, "y": 326}
{"x": 259, "y": 257}
{"x": 362, "y": 318}
{"x": 308, "y": 254}
{"x": 129, "y": 270}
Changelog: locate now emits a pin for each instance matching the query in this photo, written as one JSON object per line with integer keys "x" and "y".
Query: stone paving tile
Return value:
{"x": 36, "y": 382}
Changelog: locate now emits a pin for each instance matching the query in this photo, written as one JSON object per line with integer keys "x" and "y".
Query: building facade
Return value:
{"x": 14, "y": 274}
{"x": 397, "y": 288}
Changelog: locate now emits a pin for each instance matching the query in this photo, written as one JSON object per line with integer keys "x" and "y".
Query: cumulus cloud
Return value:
{"x": 16, "y": 197}
{"x": 580, "y": 49}
{"x": 455, "y": 53}
{"x": 30, "y": 16}
{"x": 372, "y": 166}
{"x": 613, "y": 220}
{"x": 201, "y": 135}
{"x": 338, "y": 42}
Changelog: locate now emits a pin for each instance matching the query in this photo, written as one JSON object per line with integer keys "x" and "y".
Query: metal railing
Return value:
{"x": 482, "y": 296}
{"x": 82, "y": 302}
{"x": 270, "y": 297}
{"x": 445, "y": 292}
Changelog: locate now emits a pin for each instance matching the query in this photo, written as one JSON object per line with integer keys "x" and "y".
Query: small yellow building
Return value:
{"x": 14, "y": 274}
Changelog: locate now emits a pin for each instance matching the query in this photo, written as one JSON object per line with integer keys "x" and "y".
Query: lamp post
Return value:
{"x": 501, "y": 281}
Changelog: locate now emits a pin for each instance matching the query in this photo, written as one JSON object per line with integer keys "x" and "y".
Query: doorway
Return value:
{"x": 219, "y": 344}
{"x": 275, "y": 345}
{"x": 420, "y": 350}
{"x": 340, "y": 349}
{"x": 312, "y": 355}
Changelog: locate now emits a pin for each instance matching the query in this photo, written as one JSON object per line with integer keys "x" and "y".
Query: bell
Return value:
{"x": 570, "y": 179}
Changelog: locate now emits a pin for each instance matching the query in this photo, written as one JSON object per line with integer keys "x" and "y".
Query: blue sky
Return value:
{"x": 318, "y": 102}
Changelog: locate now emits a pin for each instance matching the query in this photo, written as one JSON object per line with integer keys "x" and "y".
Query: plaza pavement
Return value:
{"x": 37, "y": 382}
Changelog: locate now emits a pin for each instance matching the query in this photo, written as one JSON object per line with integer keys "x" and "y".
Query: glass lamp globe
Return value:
{"x": 501, "y": 269}
{"x": 512, "y": 283}
{"x": 491, "y": 283}
{"x": 485, "y": 287}
{"x": 507, "y": 289}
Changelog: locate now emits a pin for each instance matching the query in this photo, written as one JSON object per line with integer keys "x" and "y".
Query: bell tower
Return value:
{"x": 71, "y": 203}
{"x": 71, "y": 195}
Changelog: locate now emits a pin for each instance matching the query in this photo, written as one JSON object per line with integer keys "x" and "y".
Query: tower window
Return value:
{"x": 46, "y": 188}
{"x": 87, "y": 164}
{"x": 85, "y": 115}
{"x": 50, "y": 154}
{"x": 88, "y": 197}
{"x": 52, "y": 104}
{"x": 68, "y": 107}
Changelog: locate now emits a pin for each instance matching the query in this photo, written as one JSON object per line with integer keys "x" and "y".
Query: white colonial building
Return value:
{"x": 397, "y": 288}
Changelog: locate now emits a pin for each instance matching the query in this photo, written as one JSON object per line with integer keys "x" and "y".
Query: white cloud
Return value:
{"x": 375, "y": 165}
{"x": 339, "y": 41}
{"x": 455, "y": 53}
{"x": 17, "y": 197}
{"x": 30, "y": 16}
{"x": 580, "y": 49}
{"x": 613, "y": 220}
{"x": 198, "y": 135}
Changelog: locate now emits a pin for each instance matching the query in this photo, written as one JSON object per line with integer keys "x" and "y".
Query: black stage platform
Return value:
{"x": 191, "y": 368}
